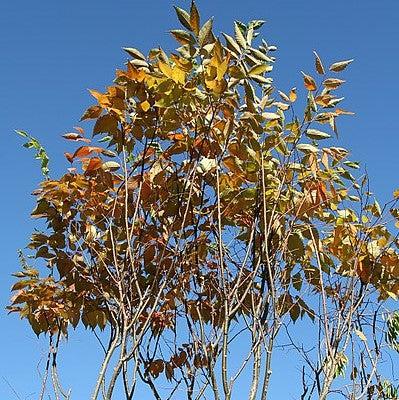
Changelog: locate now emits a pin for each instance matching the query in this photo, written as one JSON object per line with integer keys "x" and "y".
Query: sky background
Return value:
{"x": 51, "y": 52}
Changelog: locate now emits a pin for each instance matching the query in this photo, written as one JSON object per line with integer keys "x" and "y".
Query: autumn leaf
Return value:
{"x": 75, "y": 137}
{"x": 309, "y": 82}
{"x": 340, "y": 66}
{"x": 319, "y": 65}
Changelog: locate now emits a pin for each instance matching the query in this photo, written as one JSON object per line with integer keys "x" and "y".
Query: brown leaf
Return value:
{"x": 332, "y": 83}
{"x": 69, "y": 157}
{"x": 194, "y": 18}
{"x": 106, "y": 124}
{"x": 341, "y": 65}
{"x": 92, "y": 113}
{"x": 319, "y": 65}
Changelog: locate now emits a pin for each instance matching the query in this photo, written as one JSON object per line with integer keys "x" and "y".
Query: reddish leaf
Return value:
{"x": 93, "y": 164}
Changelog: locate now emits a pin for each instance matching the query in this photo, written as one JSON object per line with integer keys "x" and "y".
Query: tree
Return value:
{"x": 203, "y": 212}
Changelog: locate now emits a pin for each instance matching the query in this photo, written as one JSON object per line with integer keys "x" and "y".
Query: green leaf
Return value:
{"x": 40, "y": 154}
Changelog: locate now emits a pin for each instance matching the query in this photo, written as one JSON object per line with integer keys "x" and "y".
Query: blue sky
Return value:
{"x": 53, "y": 51}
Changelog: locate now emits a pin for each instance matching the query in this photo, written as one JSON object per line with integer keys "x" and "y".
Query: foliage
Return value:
{"x": 33, "y": 143}
{"x": 207, "y": 210}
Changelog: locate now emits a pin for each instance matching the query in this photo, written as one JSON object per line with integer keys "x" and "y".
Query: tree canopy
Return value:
{"x": 207, "y": 209}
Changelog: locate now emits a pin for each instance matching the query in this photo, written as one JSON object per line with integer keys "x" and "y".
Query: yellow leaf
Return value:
{"x": 175, "y": 73}
{"x": 292, "y": 95}
{"x": 178, "y": 75}
{"x": 260, "y": 69}
{"x": 102, "y": 99}
{"x": 165, "y": 69}
{"x": 145, "y": 105}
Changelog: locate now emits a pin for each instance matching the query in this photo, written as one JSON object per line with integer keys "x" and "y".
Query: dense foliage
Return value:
{"x": 207, "y": 209}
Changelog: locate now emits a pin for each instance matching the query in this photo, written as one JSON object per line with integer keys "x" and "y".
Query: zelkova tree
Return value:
{"x": 204, "y": 227}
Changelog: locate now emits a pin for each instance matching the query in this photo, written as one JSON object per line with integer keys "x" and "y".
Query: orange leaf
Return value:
{"x": 102, "y": 99}
{"x": 86, "y": 150}
{"x": 93, "y": 164}
{"x": 292, "y": 95}
{"x": 309, "y": 82}
{"x": 75, "y": 137}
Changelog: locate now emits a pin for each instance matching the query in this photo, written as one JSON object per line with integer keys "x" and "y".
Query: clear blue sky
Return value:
{"x": 53, "y": 51}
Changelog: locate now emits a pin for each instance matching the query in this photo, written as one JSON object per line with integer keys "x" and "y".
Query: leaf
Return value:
{"x": 194, "y": 18}
{"x": 22, "y": 133}
{"x": 239, "y": 36}
{"x": 205, "y": 32}
{"x": 332, "y": 83}
{"x": 283, "y": 96}
{"x": 40, "y": 153}
{"x": 259, "y": 69}
{"x": 340, "y": 66}
{"x": 316, "y": 134}
{"x": 75, "y": 137}
{"x": 134, "y": 53}
{"x": 206, "y": 165}
{"x": 231, "y": 43}
{"x": 271, "y": 116}
{"x": 259, "y": 55}
{"x": 309, "y": 82}
{"x": 339, "y": 111}
{"x": 94, "y": 164}
{"x": 184, "y": 17}
{"x": 307, "y": 148}
{"x": 106, "y": 124}
{"x": 292, "y": 95}
{"x": 92, "y": 113}
{"x": 183, "y": 37}
{"x": 86, "y": 150}
{"x": 110, "y": 165}
{"x": 319, "y": 65}
{"x": 145, "y": 105}
{"x": 103, "y": 99}
{"x": 156, "y": 367}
